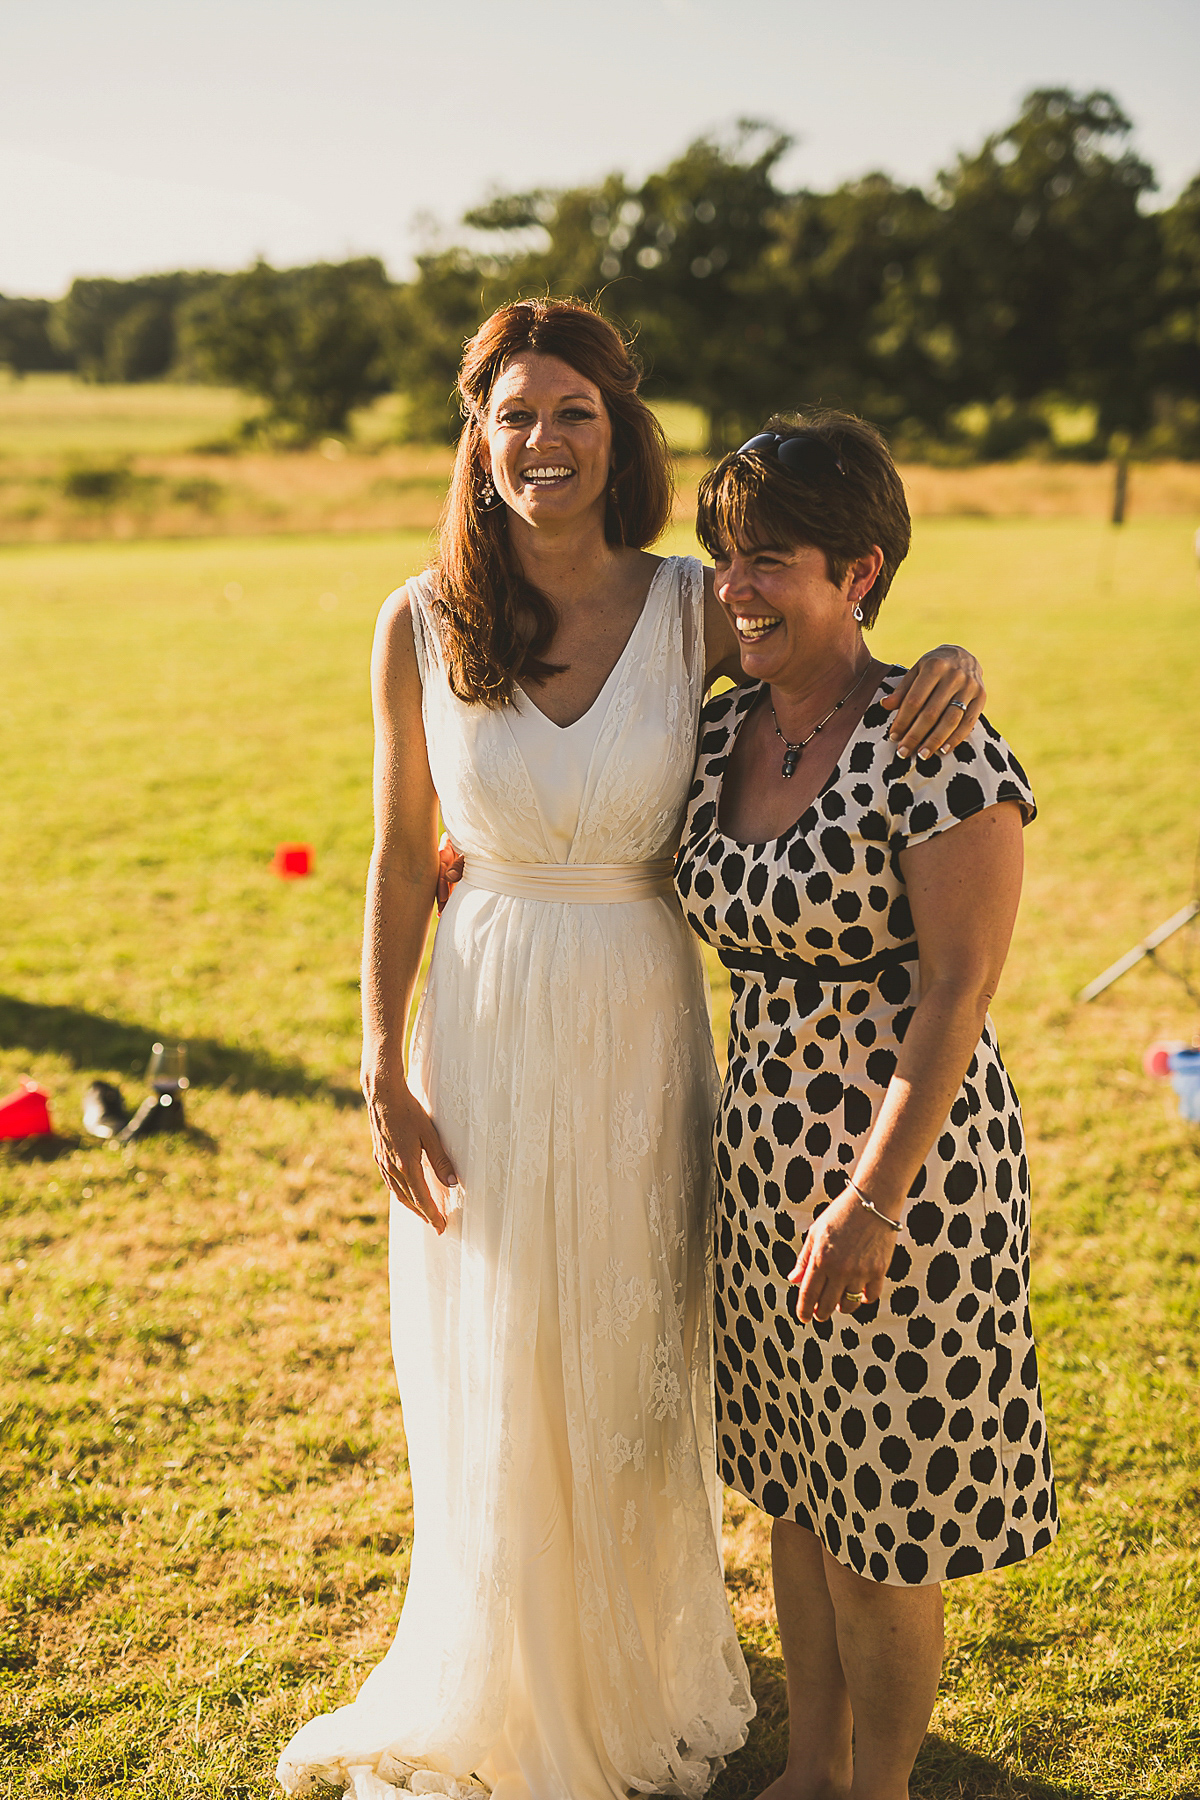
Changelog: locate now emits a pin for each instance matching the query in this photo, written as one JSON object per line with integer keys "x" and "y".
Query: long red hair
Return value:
{"x": 495, "y": 624}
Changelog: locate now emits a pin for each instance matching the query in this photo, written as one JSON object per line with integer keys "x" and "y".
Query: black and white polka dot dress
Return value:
{"x": 909, "y": 1436}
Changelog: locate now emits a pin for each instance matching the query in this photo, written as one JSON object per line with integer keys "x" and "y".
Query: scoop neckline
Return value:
{"x": 890, "y": 673}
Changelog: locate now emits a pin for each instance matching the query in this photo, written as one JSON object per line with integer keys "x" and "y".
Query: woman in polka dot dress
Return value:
{"x": 877, "y": 1388}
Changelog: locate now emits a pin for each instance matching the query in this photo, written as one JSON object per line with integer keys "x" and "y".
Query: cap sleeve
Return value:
{"x": 934, "y": 793}
{"x": 425, "y": 636}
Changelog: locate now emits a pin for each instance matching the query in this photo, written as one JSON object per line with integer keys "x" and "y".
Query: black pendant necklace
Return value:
{"x": 793, "y": 752}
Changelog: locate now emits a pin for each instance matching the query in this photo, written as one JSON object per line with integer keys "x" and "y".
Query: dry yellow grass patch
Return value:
{"x": 1049, "y": 489}
{"x": 1018, "y": 490}
{"x": 43, "y": 500}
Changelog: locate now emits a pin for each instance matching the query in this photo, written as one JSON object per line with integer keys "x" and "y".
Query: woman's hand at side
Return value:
{"x": 846, "y": 1251}
{"x": 963, "y": 887}
{"x": 406, "y": 1143}
{"x": 451, "y": 864}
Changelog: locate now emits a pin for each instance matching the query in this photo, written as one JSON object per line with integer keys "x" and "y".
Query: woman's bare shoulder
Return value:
{"x": 396, "y": 625}
{"x": 395, "y": 650}
{"x": 401, "y": 602}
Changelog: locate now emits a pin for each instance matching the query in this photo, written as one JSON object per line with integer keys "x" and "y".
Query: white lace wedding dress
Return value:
{"x": 565, "y": 1634}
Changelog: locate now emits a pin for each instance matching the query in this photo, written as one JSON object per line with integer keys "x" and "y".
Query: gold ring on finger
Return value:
{"x": 851, "y": 1298}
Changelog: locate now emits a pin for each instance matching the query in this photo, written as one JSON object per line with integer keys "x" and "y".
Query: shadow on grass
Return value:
{"x": 50, "y": 1148}
{"x": 40, "y": 1149}
{"x": 102, "y": 1045}
{"x": 944, "y": 1771}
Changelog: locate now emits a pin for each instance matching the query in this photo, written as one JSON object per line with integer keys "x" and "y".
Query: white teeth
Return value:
{"x": 754, "y": 628}
{"x": 550, "y": 474}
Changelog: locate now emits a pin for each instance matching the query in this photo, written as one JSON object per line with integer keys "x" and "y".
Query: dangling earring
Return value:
{"x": 615, "y": 502}
{"x": 487, "y": 492}
{"x": 859, "y": 614}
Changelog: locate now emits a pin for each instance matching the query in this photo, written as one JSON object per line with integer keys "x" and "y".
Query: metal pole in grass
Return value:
{"x": 1147, "y": 947}
{"x": 1120, "y": 449}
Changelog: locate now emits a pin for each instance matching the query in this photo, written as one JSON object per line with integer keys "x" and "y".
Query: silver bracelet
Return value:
{"x": 881, "y": 1216}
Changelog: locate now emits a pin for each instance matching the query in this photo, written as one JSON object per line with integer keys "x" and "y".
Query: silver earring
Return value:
{"x": 487, "y": 492}
{"x": 858, "y": 613}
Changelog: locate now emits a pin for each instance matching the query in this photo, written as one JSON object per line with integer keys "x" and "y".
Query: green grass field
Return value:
{"x": 43, "y": 415}
{"x": 206, "y": 1511}
{"x": 62, "y": 415}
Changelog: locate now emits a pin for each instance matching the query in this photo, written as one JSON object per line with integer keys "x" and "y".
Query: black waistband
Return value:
{"x": 794, "y": 968}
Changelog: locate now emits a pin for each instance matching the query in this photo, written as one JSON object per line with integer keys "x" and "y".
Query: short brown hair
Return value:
{"x": 495, "y": 624}
{"x": 752, "y": 500}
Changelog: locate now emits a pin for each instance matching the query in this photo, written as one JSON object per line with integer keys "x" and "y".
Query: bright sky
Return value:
{"x": 138, "y": 135}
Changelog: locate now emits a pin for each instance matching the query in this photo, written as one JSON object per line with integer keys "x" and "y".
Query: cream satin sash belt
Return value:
{"x": 578, "y": 884}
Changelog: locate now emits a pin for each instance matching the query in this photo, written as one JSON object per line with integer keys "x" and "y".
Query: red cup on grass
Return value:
{"x": 25, "y": 1113}
{"x": 291, "y": 860}
{"x": 1156, "y": 1058}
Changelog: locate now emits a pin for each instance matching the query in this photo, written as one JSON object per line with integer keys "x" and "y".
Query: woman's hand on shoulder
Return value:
{"x": 405, "y": 1142}
{"x": 847, "y": 1251}
{"x": 938, "y": 703}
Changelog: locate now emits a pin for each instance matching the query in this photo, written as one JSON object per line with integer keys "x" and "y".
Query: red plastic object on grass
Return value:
{"x": 25, "y": 1113}
{"x": 291, "y": 860}
{"x": 1156, "y": 1058}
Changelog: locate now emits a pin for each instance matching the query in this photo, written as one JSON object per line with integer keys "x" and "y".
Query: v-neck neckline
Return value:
{"x": 612, "y": 673}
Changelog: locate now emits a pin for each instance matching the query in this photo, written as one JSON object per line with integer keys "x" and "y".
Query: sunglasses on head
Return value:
{"x": 803, "y": 452}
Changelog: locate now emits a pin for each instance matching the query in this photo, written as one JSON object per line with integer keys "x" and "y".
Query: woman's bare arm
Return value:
{"x": 928, "y": 701}
{"x": 963, "y": 888}
{"x": 401, "y": 887}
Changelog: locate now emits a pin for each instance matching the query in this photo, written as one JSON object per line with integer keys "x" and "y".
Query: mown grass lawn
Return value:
{"x": 206, "y": 1512}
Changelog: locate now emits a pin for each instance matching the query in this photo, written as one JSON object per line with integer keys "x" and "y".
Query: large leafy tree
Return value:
{"x": 855, "y": 266}
{"x": 1171, "y": 347}
{"x": 25, "y": 341}
{"x": 680, "y": 259}
{"x": 1045, "y": 268}
{"x": 313, "y": 343}
{"x": 714, "y": 321}
{"x": 1031, "y": 271}
{"x": 434, "y": 315}
{"x": 124, "y": 330}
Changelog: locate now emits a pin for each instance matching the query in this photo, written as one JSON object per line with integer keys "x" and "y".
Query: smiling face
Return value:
{"x": 549, "y": 440}
{"x": 789, "y": 617}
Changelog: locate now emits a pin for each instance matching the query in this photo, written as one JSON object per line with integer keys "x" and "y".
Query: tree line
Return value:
{"x": 1032, "y": 300}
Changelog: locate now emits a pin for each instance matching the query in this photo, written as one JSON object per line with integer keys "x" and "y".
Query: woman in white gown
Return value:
{"x": 565, "y": 1633}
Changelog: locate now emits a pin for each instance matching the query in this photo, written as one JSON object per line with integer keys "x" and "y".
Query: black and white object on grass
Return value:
{"x": 157, "y": 1113}
{"x": 104, "y": 1110}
